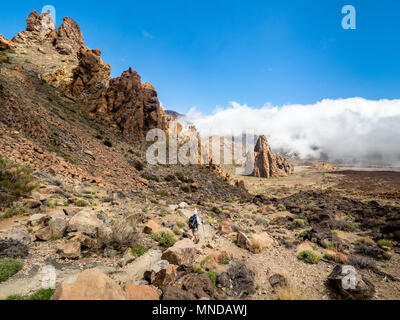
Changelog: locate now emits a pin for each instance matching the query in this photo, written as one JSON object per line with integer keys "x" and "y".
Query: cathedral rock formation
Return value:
{"x": 267, "y": 164}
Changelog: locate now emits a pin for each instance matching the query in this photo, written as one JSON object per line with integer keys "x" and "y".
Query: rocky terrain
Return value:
{"x": 77, "y": 196}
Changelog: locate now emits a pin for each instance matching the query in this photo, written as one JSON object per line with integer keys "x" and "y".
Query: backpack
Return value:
{"x": 193, "y": 222}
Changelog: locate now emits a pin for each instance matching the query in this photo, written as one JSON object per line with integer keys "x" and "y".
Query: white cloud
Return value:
{"x": 352, "y": 130}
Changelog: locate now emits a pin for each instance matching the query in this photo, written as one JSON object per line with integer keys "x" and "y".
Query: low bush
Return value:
{"x": 385, "y": 243}
{"x": 166, "y": 238}
{"x": 15, "y": 181}
{"x": 213, "y": 276}
{"x": 309, "y": 256}
{"x": 138, "y": 250}
{"x": 42, "y": 294}
{"x": 9, "y": 267}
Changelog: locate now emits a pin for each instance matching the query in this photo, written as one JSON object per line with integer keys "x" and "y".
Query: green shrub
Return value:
{"x": 213, "y": 276}
{"x": 216, "y": 210}
{"x": 205, "y": 261}
{"x": 169, "y": 178}
{"x": 281, "y": 207}
{"x": 42, "y": 294}
{"x": 17, "y": 208}
{"x": 198, "y": 270}
{"x": 309, "y": 256}
{"x": 304, "y": 234}
{"x": 15, "y": 181}
{"x": 385, "y": 243}
{"x": 298, "y": 223}
{"x": 81, "y": 203}
{"x": 138, "y": 250}
{"x": 9, "y": 267}
{"x": 165, "y": 238}
{"x": 180, "y": 224}
{"x": 180, "y": 176}
{"x": 387, "y": 256}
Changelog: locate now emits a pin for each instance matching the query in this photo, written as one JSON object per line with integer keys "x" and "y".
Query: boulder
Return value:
{"x": 58, "y": 225}
{"x": 181, "y": 254}
{"x": 140, "y": 292}
{"x": 71, "y": 211}
{"x": 259, "y": 242}
{"x": 151, "y": 227}
{"x": 243, "y": 241}
{"x": 225, "y": 227}
{"x": 12, "y": 248}
{"x": 165, "y": 276}
{"x": 199, "y": 285}
{"x": 242, "y": 279}
{"x": 89, "y": 285}
{"x": 43, "y": 234}
{"x": 176, "y": 294}
{"x": 84, "y": 240}
{"x": 38, "y": 219}
{"x": 69, "y": 250}
{"x": 278, "y": 280}
{"x": 349, "y": 284}
{"x": 87, "y": 223}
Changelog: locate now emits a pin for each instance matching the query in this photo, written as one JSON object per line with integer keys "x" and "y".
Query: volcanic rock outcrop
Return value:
{"x": 267, "y": 164}
{"x": 126, "y": 102}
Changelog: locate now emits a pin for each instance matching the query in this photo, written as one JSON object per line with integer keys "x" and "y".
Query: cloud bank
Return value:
{"x": 354, "y": 130}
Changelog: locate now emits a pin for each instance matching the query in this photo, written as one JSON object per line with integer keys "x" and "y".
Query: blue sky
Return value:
{"x": 208, "y": 53}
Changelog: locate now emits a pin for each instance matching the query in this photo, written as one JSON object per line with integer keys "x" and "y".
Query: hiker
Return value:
{"x": 194, "y": 224}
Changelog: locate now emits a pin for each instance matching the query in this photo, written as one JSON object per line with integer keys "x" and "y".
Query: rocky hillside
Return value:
{"x": 79, "y": 201}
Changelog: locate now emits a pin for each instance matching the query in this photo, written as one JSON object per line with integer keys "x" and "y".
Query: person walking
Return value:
{"x": 194, "y": 224}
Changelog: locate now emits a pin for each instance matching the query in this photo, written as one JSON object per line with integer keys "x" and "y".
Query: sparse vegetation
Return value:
{"x": 138, "y": 250}
{"x": 166, "y": 238}
{"x": 138, "y": 165}
{"x": 302, "y": 235}
{"x": 385, "y": 243}
{"x": 213, "y": 276}
{"x": 15, "y": 181}
{"x": 309, "y": 256}
{"x": 81, "y": 203}
{"x": 42, "y": 294}
{"x": 281, "y": 207}
{"x": 9, "y": 267}
{"x": 290, "y": 294}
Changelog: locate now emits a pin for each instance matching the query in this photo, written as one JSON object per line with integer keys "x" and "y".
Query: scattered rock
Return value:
{"x": 89, "y": 285}
{"x": 85, "y": 222}
{"x": 225, "y": 227}
{"x": 151, "y": 227}
{"x": 182, "y": 253}
{"x": 242, "y": 279}
{"x": 69, "y": 250}
{"x": 349, "y": 284}
{"x": 140, "y": 292}
{"x": 278, "y": 281}
{"x": 176, "y": 294}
